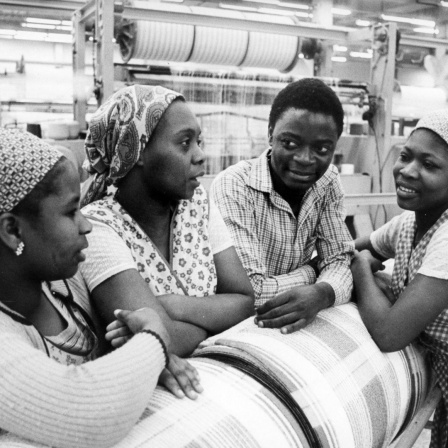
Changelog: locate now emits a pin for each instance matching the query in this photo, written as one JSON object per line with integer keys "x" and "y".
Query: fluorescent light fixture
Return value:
{"x": 266, "y": 2}
{"x": 421, "y": 22}
{"x": 278, "y": 12}
{"x": 361, "y": 22}
{"x": 66, "y": 23}
{"x": 238, "y": 7}
{"x": 30, "y": 35}
{"x": 339, "y": 59}
{"x": 360, "y": 54}
{"x": 303, "y": 14}
{"x": 339, "y": 48}
{"x": 340, "y": 12}
{"x": 426, "y": 30}
{"x": 46, "y": 27}
{"x": 59, "y": 38}
{"x": 39, "y": 25}
{"x": 293, "y": 5}
{"x": 36, "y": 36}
{"x": 43, "y": 21}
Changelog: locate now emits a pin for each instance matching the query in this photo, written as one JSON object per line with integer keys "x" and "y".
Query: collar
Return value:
{"x": 260, "y": 176}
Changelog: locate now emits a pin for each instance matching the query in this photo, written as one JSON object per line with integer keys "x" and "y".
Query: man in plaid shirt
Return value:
{"x": 288, "y": 202}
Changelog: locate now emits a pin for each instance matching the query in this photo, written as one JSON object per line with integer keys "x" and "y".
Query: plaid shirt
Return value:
{"x": 275, "y": 247}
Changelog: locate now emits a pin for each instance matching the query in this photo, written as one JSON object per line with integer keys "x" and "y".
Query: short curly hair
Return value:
{"x": 311, "y": 94}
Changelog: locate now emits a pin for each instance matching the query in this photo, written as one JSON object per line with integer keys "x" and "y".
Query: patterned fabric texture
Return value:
{"x": 436, "y": 121}
{"x": 274, "y": 246}
{"x": 25, "y": 160}
{"x": 119, "y": 131}
{"x": 192, "y": 271}
{"x": 435, "y": 336}
{"x": 325, "y": 386}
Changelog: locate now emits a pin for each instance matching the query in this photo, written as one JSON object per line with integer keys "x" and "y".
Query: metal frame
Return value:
{"x": 102, "y": 12}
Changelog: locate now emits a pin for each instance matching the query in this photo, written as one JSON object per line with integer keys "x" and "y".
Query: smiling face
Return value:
{"x": 174, "y": 159}
{"x": 54, "y": 240}
{"x": 303, "y": 144}
{"x": 421, "y": 174}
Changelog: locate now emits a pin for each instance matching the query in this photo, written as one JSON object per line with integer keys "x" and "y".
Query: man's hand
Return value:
{"x": 295, "y": 309}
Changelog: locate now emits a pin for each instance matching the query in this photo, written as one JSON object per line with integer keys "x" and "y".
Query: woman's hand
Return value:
{"x": 365, "y": 258}
{"x": 118, "y": 333}
{"x": 129, "y": 323}
{"x": 383, "y": 281}
{"x": 181, "y": 378}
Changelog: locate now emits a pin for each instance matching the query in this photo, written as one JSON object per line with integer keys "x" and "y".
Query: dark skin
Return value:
{"x": 166, "y": 173}
{"x": 54, "y": 241}
{"x": 422, "y": 186}
{"x": 53, "y": 244}
{"x": 303, "y": 145}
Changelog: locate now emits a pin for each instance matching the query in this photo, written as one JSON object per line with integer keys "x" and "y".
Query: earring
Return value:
{"x": 20, "y": 248}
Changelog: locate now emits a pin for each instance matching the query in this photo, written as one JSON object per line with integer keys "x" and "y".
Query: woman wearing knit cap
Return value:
{"x": 45, "y": 332}
{"x": 416, "y": 304}
{"x": 157, "y": 240}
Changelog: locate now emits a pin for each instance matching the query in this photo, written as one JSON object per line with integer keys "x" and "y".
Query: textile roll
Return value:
{"x": 327, "y": 385}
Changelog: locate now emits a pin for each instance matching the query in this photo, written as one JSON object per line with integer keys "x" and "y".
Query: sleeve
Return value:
{"x": 219, "y": 234}
{"x": 106, "y": 255}
{"x": 435, "y": 261}
{"x": 93, "y": 405}
{"x": 234, "y": 201}
{"x": 335, "y": 246}
{"x": 384, "y": 239}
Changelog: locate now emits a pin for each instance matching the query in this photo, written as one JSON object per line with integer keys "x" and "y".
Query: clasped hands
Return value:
{"x": 179, "y": 377}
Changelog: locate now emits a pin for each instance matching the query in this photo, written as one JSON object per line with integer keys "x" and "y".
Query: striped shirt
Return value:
{"x": 275, "y": 247}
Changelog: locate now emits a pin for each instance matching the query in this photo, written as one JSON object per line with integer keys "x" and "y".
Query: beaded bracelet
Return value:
{"x": 165, "y": 352}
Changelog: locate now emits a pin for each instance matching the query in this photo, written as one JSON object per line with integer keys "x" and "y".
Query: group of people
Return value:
{"x": 99, "y": 304}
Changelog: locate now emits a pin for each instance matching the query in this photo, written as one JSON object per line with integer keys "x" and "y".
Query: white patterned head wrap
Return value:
{"x": 119, "y": 131}
{"x": 437, "y": 122}
{"x": 24, "y": 161}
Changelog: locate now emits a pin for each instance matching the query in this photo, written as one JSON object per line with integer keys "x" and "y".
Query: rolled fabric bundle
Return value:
{"x": 327, "y": 385}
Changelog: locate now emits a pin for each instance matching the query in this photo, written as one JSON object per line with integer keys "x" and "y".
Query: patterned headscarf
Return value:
{"x": 118, "y": 133}
{"x": 24, "y": 161}
{"x": 436, "y": 121}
